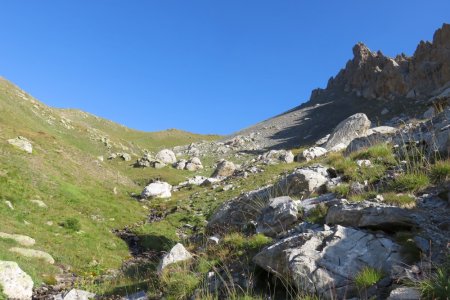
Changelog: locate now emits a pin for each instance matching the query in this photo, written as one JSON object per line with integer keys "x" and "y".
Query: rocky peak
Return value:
{"x": 361, "y": 52}
{"x": 372, "y": 75}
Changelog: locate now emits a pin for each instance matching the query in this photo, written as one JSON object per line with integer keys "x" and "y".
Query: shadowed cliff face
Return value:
{"x": 373, "y": 75}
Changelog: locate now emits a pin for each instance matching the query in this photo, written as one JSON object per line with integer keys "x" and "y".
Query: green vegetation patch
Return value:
{"x": 367, "y": 277}
{"x": 410, "y": 182}
{"x": 400, "y": 200}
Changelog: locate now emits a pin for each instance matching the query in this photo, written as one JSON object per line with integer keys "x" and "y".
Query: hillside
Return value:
{"x": 343, "y": 197}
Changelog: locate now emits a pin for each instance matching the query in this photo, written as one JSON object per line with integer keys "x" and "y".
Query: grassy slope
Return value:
{"x": 62, "y": 172}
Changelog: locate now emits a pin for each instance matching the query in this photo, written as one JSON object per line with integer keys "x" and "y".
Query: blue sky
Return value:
{"x": 204, "y": 66}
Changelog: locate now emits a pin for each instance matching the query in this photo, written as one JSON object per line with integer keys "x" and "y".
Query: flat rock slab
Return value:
{"x": 34, "y": 254}
{"x": 16, "y": 283}
{"x": 20, "y": 239}
{"x": 370, "y": 215}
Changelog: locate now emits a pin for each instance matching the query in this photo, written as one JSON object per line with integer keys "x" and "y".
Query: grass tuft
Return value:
{"x": 72, "y": 224}
{"x": 400, "y": 200}
{"x": 367, "y": 277}
{"x": 437, "y": 286}
{"x": 410, "y": 182}
{"x": 440, "y": 172}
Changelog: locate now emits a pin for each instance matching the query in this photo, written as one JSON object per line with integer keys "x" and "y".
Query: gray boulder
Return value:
{"x": 304, "y": 181}
{"x": 277, "y": 216}
{"x": 22, "y": 143}
{"x": 16, "y": 283}
{"x": 370, "y": 215}
{"x": 349, "y": 129}
{"x": 325, "y": 262}
{"x": 224, "y": 169}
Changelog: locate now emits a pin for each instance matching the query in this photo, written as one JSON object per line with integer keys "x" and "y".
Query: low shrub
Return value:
{"x": 72, "y": 224}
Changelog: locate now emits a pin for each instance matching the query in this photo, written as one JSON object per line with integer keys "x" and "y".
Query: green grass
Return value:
{"x": 342, "y": 190}
{"x": 410, "y": 182}
{"x": 367, "y": 277}
{"x": 440, "y": 172}
{"x": 400, "y": 200}
{"x": 437, "y": 286}
{"x": 380, "y": 153}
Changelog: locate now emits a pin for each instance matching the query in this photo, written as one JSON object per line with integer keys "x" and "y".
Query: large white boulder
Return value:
{"x": 349, "y": 129}
{"x": 177, "y": 254}
{"x": 22, "y": 143}
{"x": 166, "y": 156}
{"x": 158, "y": 189}
{"x": 277, "y": 216}
{"x": 16, "y": 283}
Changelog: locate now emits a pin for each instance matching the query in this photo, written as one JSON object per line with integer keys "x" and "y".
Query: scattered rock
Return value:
{"x": 349, "y": 129}
{"x": 180, "y": 165}
{"x": 194, "y": 164}
{"x": 75, "y": 294}
{"x": 177, "y": 254}
{"x": 22, "y": 143}
{"x": 158, "y": 189}
{"x": 273, "y": 157}
{"x": 404, "y": 293}
{"x": 364, "y": 163}
{"x": 9, "y": 204}
{"x": 16, "y": 283}
{"x": 18, "y": 238}
{"x": 39, "y": 203}
{"x": 312, "y": 153}
{"x": 34, "y": 254}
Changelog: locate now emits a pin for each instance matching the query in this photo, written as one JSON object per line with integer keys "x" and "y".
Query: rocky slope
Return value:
{"x": 388, "y": 90}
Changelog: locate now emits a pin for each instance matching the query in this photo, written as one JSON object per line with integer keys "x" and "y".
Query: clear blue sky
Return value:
{"x": 204, "y": 66}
